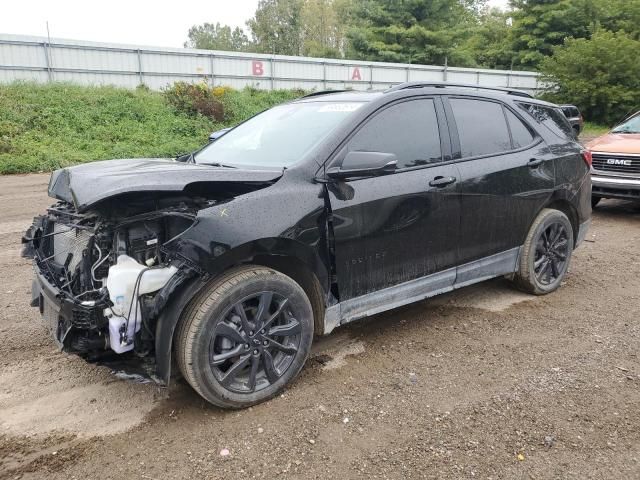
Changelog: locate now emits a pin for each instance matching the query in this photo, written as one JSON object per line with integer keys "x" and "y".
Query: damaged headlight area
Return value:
{"x": 102, "y": 277}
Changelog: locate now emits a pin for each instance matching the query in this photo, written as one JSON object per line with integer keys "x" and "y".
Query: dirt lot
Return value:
{"x": 484, "y": 383}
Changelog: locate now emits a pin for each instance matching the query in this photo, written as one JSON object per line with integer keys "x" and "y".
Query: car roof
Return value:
{"x": 340, "y": 96}
{"x": 435, "y": 88}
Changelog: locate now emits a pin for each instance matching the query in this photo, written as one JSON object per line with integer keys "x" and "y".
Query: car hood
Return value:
{"x": 87, "y": 184}
{"x": 616, "y": 143}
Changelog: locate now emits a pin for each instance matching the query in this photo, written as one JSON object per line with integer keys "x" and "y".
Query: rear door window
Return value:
{"x": 552, "y": 118}
{"x": 407, "y": 129}
{"x": 482, "y": 127}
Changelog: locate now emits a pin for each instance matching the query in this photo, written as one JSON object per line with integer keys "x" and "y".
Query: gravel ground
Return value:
{"x": 485, "y": 382}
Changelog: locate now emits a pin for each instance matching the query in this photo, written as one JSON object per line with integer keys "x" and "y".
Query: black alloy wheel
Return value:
{"x": 552, "y": 250}
{"x": 245, "y": 336}
{"x": 254, "y": 343}
{"x": 546, "y": 253}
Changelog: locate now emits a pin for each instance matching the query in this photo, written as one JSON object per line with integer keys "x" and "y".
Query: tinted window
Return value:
{"x": 520, "y": 133}
{"x": 552, "y": 118}
{"x": 408, "y": 129}
{"x": 482, "y": 127}
{"x": 570, "y": 112}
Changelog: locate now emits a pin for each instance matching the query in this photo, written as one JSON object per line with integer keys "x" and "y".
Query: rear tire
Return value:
{"x": 546, "y": 253}
{"x": 244, "y": 337}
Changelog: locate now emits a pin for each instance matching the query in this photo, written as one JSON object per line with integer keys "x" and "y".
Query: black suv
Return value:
{"x": 306, "y": 217}
{"x": 574, "y": 117}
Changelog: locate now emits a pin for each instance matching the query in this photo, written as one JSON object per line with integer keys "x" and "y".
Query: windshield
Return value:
{"x": 278, "y": 137}
{"x": 630, "y": 126}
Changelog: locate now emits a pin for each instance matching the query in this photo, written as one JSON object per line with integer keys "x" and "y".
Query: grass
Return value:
{"x": 594, "y": 130}
{"x": 44, "y": 127}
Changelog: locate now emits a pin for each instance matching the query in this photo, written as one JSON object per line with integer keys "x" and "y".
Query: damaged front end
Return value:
{"x": 102, "y": 278}
{"x": 110, "y": 277}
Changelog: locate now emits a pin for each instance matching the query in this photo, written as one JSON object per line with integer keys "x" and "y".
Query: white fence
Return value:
{"x": 90, "y": 63}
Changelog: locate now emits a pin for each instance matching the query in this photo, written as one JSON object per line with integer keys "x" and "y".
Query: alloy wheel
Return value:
{"x": 552, "y": 251}
{"x": 254, "y": 343}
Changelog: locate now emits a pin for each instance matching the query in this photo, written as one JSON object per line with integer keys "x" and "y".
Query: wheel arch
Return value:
{"x": 300, "y": 273}
{"x": 563, "y": 205}
{"x": 286, "y": 256}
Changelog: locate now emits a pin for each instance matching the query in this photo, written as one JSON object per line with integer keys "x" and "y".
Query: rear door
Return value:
{"x": 392, "y": 229}
{"x": 506, "y": 173}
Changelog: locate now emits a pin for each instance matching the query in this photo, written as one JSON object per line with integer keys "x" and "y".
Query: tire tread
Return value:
{"x": 195, "y": 315}
{"x": 523, "y": 276}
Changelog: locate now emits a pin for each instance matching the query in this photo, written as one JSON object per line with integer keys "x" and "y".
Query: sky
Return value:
{"x": 142, "y": 22}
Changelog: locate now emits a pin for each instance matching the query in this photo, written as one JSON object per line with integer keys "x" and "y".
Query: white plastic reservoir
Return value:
{"x": 121, "y": 283}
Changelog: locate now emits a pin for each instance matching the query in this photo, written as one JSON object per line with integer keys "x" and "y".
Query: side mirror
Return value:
{"x": 364, "y": 164}
{"x": 217, "y": 134}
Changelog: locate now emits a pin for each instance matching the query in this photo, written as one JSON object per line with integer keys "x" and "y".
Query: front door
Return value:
{"x": 392, "y": 229}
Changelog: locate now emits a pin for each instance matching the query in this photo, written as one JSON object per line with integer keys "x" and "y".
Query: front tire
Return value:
{"x": 245, "y": 337}
{"x": 546, "y": 253}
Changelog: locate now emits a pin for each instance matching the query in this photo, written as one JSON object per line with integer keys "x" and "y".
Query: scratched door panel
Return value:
{"x": 394, "y": 229}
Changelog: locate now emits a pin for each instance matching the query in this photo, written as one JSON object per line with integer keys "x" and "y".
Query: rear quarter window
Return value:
{"x": 552, "y": 118}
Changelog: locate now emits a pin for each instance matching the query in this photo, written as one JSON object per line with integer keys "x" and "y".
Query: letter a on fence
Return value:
{"x": 356, "y": 74}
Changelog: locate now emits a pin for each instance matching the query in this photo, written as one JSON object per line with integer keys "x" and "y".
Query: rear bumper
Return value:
{"x": 615, "y": 186}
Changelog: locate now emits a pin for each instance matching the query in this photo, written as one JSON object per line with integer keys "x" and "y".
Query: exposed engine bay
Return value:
{"x": 106, "y": 268}
{"x": 124, "y": 250}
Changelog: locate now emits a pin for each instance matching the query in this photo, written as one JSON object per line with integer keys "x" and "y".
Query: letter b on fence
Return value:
{"x": 257, "y": 68}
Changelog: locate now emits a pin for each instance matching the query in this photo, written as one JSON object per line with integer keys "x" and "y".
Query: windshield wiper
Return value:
{"x": 215, "y": 164}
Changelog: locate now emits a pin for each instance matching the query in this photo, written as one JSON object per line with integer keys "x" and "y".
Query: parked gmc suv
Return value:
{"x": 306, "y": 217}
{"x": 615, "y": 171}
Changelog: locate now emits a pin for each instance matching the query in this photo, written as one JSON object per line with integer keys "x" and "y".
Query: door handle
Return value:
{"x": 440, "y": 181}
{"x": 535, "y": 162}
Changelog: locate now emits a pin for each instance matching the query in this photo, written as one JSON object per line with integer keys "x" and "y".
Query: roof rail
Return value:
{"x": 407, "y": 85}
{"x": 324, "y": 92}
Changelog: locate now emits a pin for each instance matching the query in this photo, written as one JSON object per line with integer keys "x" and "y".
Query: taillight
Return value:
{"x": 587, "y": 157}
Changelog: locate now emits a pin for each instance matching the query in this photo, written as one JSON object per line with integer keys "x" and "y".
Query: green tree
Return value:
{"x": 541, "y": 25}
{"x": 601, "y": 75}
{"x": 412, "y": 31}
{"x": 488, "y": 44}
{"x": 324, "y": 27}
{"x": 620, "y": 15}
{"x": 277, "y": 27}
{"x": 211, "y": 36}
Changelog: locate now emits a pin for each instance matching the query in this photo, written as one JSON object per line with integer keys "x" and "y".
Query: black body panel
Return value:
{"x": 393, "y": 229}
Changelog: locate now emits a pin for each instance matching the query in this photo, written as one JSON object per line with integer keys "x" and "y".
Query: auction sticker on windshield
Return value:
{"x": 340, "y": 107}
